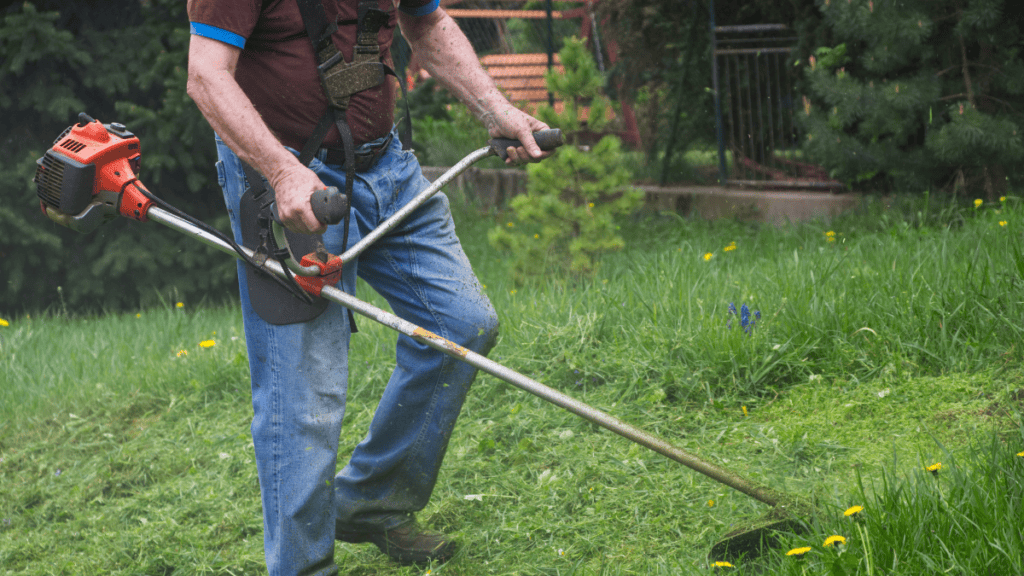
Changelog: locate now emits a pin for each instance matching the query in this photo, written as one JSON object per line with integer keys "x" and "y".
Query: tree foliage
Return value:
{"x": 661, "y": 63}
{"x": 120, "y": 62}
{"x": 566, "y": 219}
{"x": 919, "y": 94}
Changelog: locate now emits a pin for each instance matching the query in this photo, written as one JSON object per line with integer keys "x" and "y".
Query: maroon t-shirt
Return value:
{"x": 277, "y": 70}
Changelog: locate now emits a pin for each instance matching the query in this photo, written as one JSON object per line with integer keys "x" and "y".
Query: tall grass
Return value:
{"x": 850, "y": 300}
{"x": 124, "y": 445}
{"x": 963, "y": 517}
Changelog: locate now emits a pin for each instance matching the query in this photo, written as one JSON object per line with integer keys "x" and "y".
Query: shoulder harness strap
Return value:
{"x": 341, "y": 79}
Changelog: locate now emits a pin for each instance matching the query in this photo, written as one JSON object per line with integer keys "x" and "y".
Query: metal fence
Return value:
{"x": 755, "y": 109}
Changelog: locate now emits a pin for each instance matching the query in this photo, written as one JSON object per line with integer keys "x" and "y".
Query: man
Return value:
{"x": 252, "y": 73}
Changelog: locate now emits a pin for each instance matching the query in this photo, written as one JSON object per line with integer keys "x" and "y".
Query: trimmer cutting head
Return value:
{"x": 750, "y": 538}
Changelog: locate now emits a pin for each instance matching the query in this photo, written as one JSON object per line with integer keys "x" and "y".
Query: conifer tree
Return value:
{"x": 566, "y": 219}
{"x": 919, "y": 94}
{"x": 119, "y": 62}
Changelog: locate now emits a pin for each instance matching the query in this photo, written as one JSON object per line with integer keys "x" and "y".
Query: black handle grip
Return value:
{"x": 329, "y": 205}
{"x": 546, "y": 139}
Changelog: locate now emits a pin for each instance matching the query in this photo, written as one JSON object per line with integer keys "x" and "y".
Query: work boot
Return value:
{"x": 406, "y": 543}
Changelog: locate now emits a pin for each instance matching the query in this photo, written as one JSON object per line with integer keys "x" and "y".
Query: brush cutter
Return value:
{"x": 89, "y": 177}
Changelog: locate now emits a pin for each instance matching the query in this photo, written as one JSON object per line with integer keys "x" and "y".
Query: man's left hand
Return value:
{"x": 512, "y": 122}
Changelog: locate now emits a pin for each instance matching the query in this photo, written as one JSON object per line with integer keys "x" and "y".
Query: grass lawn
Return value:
{"x": 887, "y": 341}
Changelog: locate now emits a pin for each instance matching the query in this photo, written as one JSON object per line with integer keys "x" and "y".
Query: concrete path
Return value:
{"x": 494, "y": 187}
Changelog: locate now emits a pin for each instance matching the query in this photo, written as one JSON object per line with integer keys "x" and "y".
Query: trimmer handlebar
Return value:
{"x": 330, "y": 205}
{"x": 547, "y": 140}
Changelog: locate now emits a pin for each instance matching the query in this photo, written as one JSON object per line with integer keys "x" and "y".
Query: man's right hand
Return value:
{"x": 293, "y": 187}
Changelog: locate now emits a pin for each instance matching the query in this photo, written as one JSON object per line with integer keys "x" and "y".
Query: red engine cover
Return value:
{"x": 115, "y": 157}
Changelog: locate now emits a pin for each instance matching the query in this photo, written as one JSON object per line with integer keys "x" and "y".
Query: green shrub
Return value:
{"x": 566, "y": 219}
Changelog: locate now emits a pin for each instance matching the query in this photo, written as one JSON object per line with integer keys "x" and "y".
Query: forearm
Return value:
{"x": 236, "y": 121}
{"x": 444, "y": 51}
{"x": 447, "y": 55}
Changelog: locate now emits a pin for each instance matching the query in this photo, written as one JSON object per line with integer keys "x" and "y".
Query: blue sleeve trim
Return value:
{"x": 422, "y": 10}
{"x": 214, "y": 33}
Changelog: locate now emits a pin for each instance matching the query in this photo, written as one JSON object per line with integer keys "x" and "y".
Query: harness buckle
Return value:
{"x": 341, "y": 79}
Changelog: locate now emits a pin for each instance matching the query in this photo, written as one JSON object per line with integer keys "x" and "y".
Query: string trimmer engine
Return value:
{"x": 89, "y": 177}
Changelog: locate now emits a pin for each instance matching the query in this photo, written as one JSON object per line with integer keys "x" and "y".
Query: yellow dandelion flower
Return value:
{"x": 1002, "y": 223}
{"x": 180, "y": 305}
{"x": 722, "y": 564}
{"x": 182, "y": 353}
{"x": 833, "y": 540}
{"x": 591, "y": 205}
{"x": 730, "y": 247}
{"x": 799, "y": 551}
{"x": 853, "y": 510}
{"x": 4, "y": 323}
{"x": 711, "y": 503}
{"x": 207, "y": 344}
{"x": 708, "y": 256}
{"x": 512, "y": 291}
{"x": 934, "y": 468}
{"x": 830, "y": 236}
{"x": 138, "y": 315}
{"x": 744, "y": 410}
{"x": 1002, "y": 198}
{"x": 978, "y": 202}
{"x": 511, "y": 224}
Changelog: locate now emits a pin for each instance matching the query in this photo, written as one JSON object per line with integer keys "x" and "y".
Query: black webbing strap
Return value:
{"x": 317, "y": 137}
{"x": 350, "y": 165}
{"x": 323, "y": 126}
{"x": 319, "y": 30}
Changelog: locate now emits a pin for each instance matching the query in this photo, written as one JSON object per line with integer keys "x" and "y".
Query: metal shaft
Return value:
{"x": 415, "y": 203}
{"x": 641, "y": 437}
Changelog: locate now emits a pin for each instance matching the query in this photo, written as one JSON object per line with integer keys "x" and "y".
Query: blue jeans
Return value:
{"x": 299, "y": 372}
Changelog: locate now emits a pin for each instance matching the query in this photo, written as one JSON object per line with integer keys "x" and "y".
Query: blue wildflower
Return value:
{"x": 745, "y": 321}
